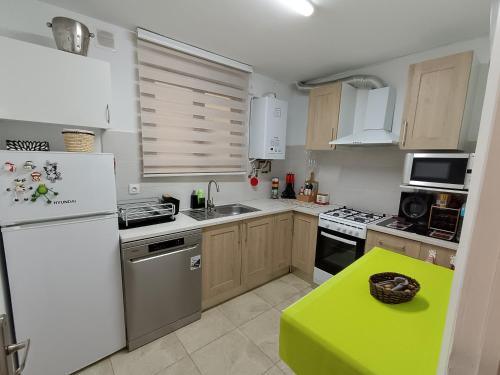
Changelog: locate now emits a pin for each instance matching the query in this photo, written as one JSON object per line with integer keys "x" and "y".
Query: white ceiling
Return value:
{"x": 340, "y": 35}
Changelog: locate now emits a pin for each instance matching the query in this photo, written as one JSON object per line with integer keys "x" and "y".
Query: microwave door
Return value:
{"x": 436, "y": 171}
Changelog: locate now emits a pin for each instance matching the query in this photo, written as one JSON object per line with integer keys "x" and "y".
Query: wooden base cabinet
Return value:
{"x": 443, "y": 255}
{"x": 282, "y": 244}
{"x": 244, "y": 255}
{"x": 257, "y": 251}
{"x": 221, "y": 264}
{"x": 305, "y": 229}
{"x": 397, "y": 244}
{"x": 414, "y": 249}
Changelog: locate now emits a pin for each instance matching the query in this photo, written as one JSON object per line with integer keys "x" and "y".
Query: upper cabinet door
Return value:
{"x": 323, "y": 120}
{"x": 435, "y": 103}
{"x": 40, "y": 84}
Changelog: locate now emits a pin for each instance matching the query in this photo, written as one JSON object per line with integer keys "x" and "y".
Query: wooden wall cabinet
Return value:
{"x": 305, "y": 229}
{"x": 221, "y": 264}
{"x": 282, "y": 248}
{"x": 257, "y": 251}
{"x": 435, "y": 103}
{"x": 323, "y": 117}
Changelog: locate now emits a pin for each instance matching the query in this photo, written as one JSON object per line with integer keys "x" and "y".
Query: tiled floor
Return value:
{"x": 239, "y": 337}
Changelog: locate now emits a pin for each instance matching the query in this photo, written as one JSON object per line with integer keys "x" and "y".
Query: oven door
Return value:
{"x": 335, "y": 251}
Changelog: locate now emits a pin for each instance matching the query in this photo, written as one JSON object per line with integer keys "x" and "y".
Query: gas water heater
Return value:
{"x": 267, "y": 128}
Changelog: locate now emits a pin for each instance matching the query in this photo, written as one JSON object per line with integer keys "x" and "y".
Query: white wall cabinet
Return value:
{"x": 40, "y": 84}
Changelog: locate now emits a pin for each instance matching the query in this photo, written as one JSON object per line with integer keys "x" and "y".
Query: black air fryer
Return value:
{"x": 415, "y": 208}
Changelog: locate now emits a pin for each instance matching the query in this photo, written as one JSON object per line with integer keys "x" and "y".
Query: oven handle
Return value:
{"x": 327, "y": 235}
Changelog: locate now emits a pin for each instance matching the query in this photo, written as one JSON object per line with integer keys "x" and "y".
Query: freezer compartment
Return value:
{"x": 162, "y": 285}
{"x": 74, "y": 184}
{"x": 66, "y": 292}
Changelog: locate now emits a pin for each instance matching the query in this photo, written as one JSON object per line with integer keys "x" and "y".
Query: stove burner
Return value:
{"x": 353, "y": 215}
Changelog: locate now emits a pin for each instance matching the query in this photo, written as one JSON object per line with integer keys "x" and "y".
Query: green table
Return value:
{"x": 340, "y": 329}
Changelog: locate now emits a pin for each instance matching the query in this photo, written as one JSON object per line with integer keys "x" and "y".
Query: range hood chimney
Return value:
{"x": 377, "y": 122}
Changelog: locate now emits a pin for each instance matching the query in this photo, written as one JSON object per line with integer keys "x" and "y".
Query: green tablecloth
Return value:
{"x": 340, "y": 329}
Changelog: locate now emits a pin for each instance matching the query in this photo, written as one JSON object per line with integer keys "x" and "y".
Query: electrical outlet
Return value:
{"x": 134, "y": 189}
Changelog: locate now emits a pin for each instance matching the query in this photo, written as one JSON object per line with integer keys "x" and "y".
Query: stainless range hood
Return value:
{"x": 368, "y": 137}
{"x": 369, "y": 122}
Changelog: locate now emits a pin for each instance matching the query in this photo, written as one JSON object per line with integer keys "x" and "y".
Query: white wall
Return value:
{"x": 25, "y": 20}
{"x": 369, "y": 177}
{"x": 126, "y": 147}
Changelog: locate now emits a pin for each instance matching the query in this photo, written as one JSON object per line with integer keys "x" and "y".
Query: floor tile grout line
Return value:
{"x": 259, "y": 314}
{"x": 218, "y": 337}
{"x": 253, "y": 342}
{"x": 235, "y": 327}
{"x": 111, "y": 363}
{"x": 188, "y": 355}
{"x": 195, "y": 364}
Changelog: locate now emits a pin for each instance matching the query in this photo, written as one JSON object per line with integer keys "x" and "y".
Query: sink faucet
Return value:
{"x": 210, "y": 201}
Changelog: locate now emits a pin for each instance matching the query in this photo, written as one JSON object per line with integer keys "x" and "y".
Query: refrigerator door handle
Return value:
{"x": 11, "y": 349}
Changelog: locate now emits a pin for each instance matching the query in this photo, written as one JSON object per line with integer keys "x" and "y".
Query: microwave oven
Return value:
{"x": 445, "y": 171}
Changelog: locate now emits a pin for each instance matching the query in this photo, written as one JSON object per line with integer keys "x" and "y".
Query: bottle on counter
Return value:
{"x": 275, "y": 184}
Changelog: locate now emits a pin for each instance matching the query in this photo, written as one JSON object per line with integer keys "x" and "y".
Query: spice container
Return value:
{"x": 323, "y": 198}
{"x": 275, "y": 184}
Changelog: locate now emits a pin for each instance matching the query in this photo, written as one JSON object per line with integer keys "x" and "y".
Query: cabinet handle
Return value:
{"x": 405, "y": 128}
{"x": 382, "y": 243}
{"x": 108, "y": 114}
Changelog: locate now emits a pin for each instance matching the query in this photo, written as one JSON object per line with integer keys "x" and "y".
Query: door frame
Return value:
{"x": 472, "y": 334}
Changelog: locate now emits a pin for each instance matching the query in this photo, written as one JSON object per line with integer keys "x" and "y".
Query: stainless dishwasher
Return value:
{"x": 162, "y": 285}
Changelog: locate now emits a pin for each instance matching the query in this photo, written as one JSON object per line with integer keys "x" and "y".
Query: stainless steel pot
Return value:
{"x": 70, "y": 35}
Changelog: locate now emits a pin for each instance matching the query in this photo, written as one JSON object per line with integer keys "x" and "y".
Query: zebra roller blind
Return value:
{"x": 193, "y": 113}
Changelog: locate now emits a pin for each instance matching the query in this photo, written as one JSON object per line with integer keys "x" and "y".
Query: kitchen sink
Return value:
{"x": 219, "y": 211}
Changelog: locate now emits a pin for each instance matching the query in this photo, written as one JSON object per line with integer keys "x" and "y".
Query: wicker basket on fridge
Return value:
{"x": 76, "y": 140}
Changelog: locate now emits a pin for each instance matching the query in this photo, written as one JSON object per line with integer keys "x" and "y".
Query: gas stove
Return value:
{"x": 341, "y": 240}
{"x": 349, "y": 221}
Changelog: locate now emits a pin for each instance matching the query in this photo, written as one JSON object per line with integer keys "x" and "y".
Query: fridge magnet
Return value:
{"x": 29, "y": 165}
{"x": 9, "y": 167}
{"x": 36, "y": 176}
{"x": 43, "y": 191}
{"x": 51, "y": 172}
{"x": 20, "y": 189}
{"x": 17, "y": 145}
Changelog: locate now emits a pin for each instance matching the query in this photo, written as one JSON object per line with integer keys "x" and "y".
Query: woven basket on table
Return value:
{"x": 78, "y": 140}
{"x": 389, "y": 296}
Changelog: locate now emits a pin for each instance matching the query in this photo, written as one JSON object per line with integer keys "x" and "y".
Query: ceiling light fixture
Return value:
{"x": 303, "y": 7}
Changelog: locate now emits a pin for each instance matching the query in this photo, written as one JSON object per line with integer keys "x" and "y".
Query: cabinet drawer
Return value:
{"x": 443, "y": 254}
{"x": 397, "y": 244}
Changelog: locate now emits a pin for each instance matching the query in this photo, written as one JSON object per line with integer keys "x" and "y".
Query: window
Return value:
{"x": 193, "y": 110}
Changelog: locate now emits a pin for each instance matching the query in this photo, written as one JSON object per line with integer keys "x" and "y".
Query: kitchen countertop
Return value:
{"x": 339, "y": 328}
{"x": 413, "y": 236}
{"x": 183, "y": 222}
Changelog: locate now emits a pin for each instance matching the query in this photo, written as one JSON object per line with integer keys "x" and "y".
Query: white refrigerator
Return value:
{"x": 62, "y": 255}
